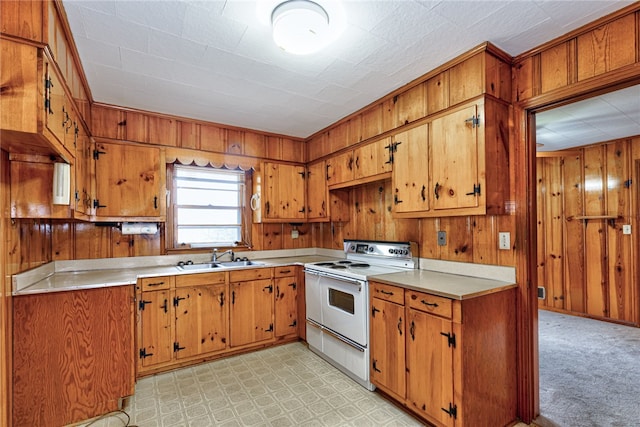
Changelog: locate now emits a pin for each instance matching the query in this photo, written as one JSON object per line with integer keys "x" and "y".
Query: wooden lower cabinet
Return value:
{"x": 251, "y": 313}
{"x": 451, "y": 362}
{"x": 186, "y": 319}
{"x": 73, "y": 354}
{"x": 286, "y": 301}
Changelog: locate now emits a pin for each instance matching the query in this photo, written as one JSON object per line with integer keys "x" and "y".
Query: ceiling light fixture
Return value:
{"x": 300, "y": 27}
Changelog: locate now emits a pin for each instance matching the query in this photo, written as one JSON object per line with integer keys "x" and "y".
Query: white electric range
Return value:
{"x": 337, "y": 302}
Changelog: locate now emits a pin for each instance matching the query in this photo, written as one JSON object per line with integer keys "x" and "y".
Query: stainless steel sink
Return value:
{"x": 243, "y": 263}
{"x": 203, "y": 266}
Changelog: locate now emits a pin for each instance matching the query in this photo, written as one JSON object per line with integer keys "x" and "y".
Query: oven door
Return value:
{"x": 344, "y": 307}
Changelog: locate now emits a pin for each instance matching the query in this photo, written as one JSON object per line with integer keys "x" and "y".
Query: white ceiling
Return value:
{"x": 611, "y": 116}
{"x": 215, "y": 60}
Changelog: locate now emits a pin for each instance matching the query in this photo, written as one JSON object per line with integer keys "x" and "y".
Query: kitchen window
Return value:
{"x": 208, "y": 206}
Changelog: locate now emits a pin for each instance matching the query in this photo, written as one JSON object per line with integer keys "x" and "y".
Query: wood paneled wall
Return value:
{"x": 469, "y": 238}
{"x": 585, "y": 262}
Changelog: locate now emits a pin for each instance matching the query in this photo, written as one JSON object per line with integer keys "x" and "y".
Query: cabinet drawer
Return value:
{"x": 219, "y": 277}
{"x": 249, "y": 274}
{"x": 287, "y": 270}
{"x": 155, "y": 283}
{"x": 429, "y": 303}
{"x": 387, "y": 292}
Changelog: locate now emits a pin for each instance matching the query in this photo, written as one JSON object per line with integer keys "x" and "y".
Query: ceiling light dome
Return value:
{"x": 300, "y": 27}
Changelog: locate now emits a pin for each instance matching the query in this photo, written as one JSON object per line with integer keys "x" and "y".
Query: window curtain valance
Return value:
{"x": 186, "y": 156}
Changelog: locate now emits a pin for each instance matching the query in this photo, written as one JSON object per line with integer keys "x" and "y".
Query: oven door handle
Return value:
{"x": 336, "y": 336}
{"x": 354, "y": 282}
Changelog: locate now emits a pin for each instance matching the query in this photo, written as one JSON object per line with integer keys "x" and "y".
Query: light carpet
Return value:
{"x": 589, "y": 372}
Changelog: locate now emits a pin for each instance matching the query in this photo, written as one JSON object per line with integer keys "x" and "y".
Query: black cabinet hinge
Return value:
{"x": 476, "y": 190}
{"x": 294, "y": 324}
{"x": 96, "y": 154}
{"x": 474, "y": 120}
{"x": 628, "y": 183}
{"x": 452, "y": 411}
{"x": 374, "y": 311}
{"x": 142, "y": 304}
{"x": 451, "y": 338}
{"x": 270, "y": 328}
{"x": 176, "y": 347}
{"x": 176, "y": 301}
{"x": 96, "y": 204}
{"x": 303, "y": 174}
{"x": 144, "y": 354}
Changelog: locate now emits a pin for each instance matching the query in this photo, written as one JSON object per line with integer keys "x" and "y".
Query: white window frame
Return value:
{"x": 176, "y": 224}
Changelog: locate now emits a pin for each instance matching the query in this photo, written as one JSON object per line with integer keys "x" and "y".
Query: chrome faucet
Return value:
{"x": 215, "y": 256}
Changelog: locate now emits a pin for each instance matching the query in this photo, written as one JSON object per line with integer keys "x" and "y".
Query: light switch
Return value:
{"x": 294, "y": 234}
{"x": 626, "y": 229}
{"x": 504, "y": 240}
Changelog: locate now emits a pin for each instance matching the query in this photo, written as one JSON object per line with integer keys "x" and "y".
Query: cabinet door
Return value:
{"x": 85, "y": 167}
{"x": 317, "y": 192}
{"x": 340, "y": 168}
{"x": 251, "y": 312}
{"x": 410, "y": 170}
{"x": 284, "y": 191}
{"x": 156, "y": 335}
{"x": 286, "y": 306}
{"x": 454, "y": 160}
{"x": 201, "y": 325}
{"x": 388, "y": 346}
{"x": 429, "y": 366}
{"x": 127, "y": 180}
{"x": 56, "y": 113}
{"x": 372, "y": 159}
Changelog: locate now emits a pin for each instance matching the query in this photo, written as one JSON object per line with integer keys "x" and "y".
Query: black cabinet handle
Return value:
{"x": 382, "y": 291}
{"x": 400, "y": 325}
{"x": 412, "y": 331}
{"x": 165, "y": 306}
{"x": 424, "y": 197}
{"x": 436, "y": 190}
{"x": 429, "y": 304}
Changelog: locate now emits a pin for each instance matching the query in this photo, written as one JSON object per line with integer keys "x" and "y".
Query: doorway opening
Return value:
{"x": 588, "y": 195}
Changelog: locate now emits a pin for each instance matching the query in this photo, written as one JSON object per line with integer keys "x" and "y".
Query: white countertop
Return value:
{"x": 446, "y": 285}
{"x": 436, "y": 277}
{"x": 58, "y": 281}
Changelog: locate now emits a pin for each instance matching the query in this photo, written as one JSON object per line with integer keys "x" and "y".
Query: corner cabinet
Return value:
{"x": 451, "y": 362}
{"x": 317, "y": 193}
{"x": 130, "y": 182}
{"x": 455, "y": 164}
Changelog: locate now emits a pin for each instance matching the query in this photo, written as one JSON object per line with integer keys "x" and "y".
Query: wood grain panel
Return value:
{"x": 411, "y": 105}
{"x": 466, "y": 79}
{"x": 596, "y": 267}
{"x": 188, "y": 135}
{"x": 73, "y": 354}
{"x": 92, "y": 241}
{"x": 437, "y": 95}
{"x": 107, "y": 122}
{"x": 234, "y": 141}
{"x": 554, "y": 63}
{"x": 541, "y": 191}
{"x": 428, "y": 241}
{"x": 574, "y": 250}
{"x": 6, "y": 343}
{"x": 372, "y": 121}
{"x": 459, "y": 245}
{"x": 254, "y": 144}
{"x": 618, "y": 178}
{"x": 553, "y": 232}
{"x": 162, "y": 131}
{"x": 607, "y": 48}
{"x": 22, "y": 19}
{"x": 594, "y": 202}
{"x": 62, "y": 238}
{"x": 620, "y": 273}
{"x": 212, "y": 138}
{"x": 485, "y": 239}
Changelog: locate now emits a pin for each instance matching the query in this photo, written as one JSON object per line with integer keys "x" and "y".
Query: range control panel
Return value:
{"x": 380, "y": 249}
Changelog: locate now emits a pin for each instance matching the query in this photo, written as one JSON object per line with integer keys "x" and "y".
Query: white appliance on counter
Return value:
{"x": 337, "y": 302}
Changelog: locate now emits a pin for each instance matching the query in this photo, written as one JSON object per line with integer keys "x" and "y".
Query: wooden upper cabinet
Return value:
{"x": 468, "y": 160}
{"x": 458, "y": 167}
{"x": 317, "y": 192}
{"x": 129, "y": 181}
{"x": 372, "y": 159}
{"x": 410, "y": 105}
{"x": 33, "y": 103}
{"x": 454, "y": 159}
{"x": 340, "y": 168}
{"x": 283, "y": 192}
{"x": 410, "y": 170}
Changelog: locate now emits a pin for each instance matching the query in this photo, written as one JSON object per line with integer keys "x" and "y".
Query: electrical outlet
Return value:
{"x": 626, "y": 229}
{"x": 294, "y": 234}
{"x": 442, "y": 238}
{"x": 504, "y": 240}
